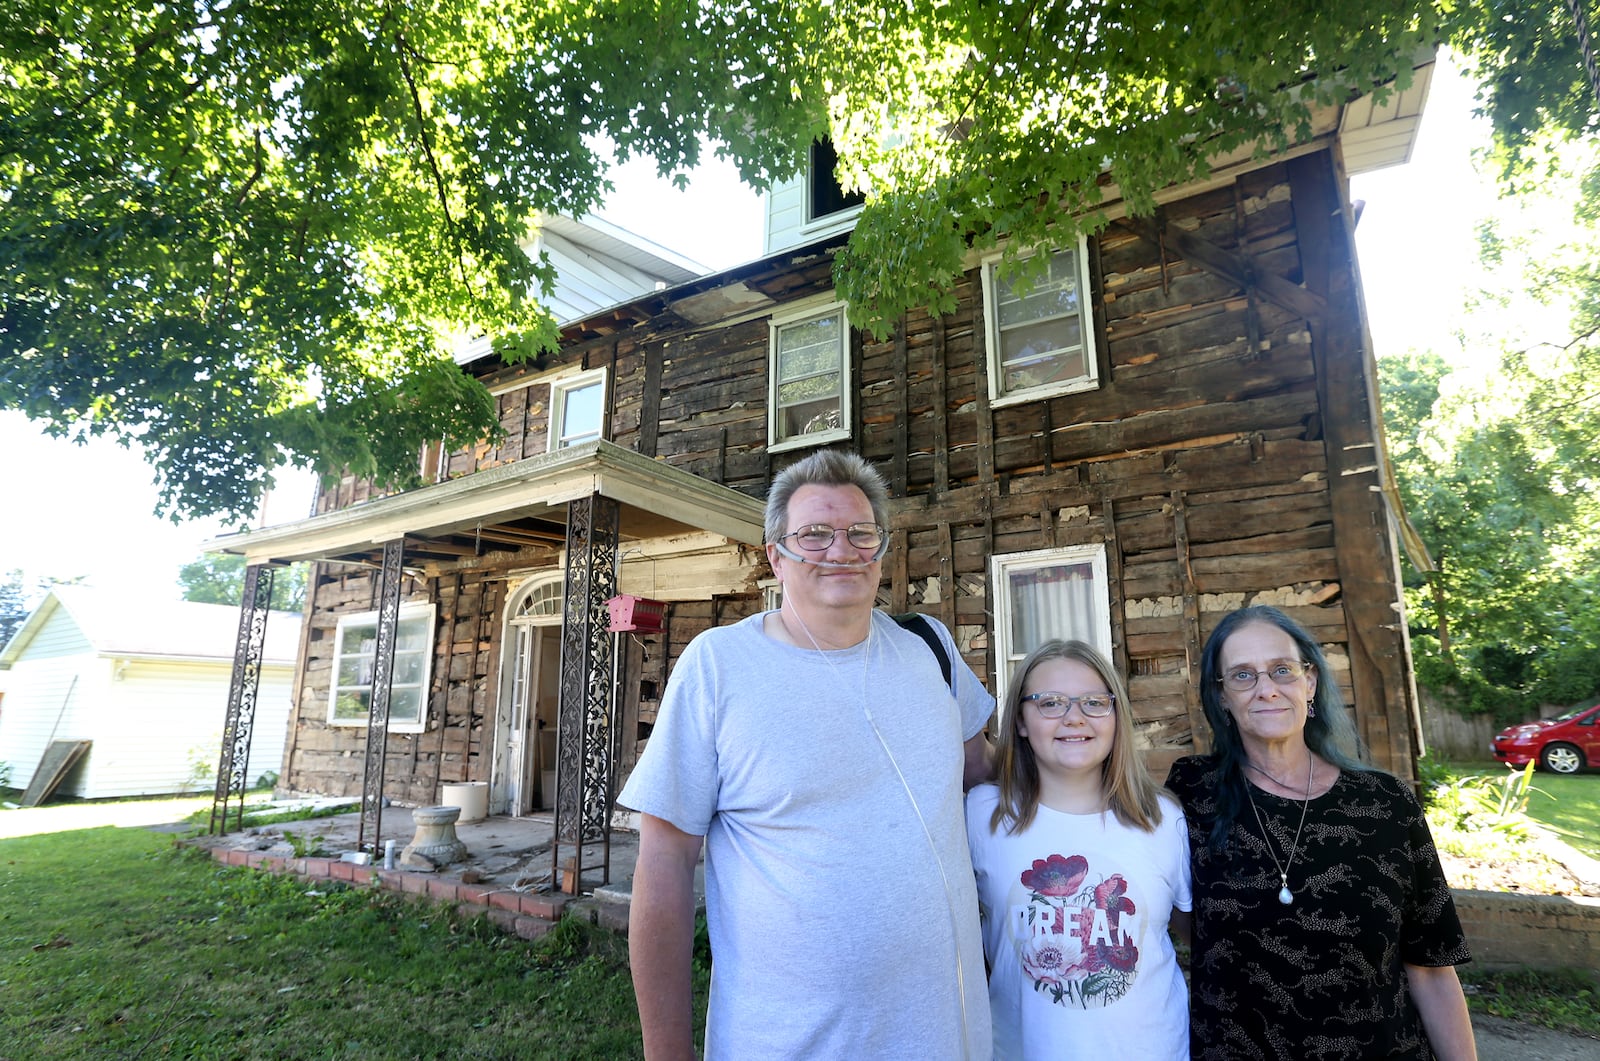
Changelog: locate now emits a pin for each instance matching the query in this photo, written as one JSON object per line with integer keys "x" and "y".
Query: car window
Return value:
{"x": 1570, "y": 716}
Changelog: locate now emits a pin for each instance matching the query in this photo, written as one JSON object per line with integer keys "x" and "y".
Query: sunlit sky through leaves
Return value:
{"x": 88, "y": 510}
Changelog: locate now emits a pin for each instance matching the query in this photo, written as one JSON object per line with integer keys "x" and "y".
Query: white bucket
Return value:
{"x": 471, "y": 796}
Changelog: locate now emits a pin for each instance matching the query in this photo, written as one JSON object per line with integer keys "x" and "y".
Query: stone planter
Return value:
{"x": 436, "y": 843}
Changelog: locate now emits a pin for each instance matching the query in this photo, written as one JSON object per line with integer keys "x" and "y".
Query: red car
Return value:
{"x": 1563, "y": 745}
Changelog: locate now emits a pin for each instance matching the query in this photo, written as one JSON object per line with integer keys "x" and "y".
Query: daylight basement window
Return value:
{"x": 577, "y": 409}
{"x": 1040, "y": 336}
{"x": 355, "y": 658}
{"x": 1045, "y": 595}
{"x": 809, "y": 395}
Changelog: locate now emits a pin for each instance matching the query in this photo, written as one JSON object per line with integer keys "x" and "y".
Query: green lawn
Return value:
{"x": 112, "y": 944}
{"x": 1569, "y": 804}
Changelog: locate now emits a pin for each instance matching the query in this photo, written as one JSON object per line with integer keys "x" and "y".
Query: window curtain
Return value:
{"x": 1051, "y": 602}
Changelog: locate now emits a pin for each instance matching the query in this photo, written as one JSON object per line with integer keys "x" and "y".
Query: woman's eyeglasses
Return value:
{"x": 1243, "y": 679}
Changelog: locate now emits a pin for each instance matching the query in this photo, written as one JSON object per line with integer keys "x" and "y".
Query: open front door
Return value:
{"x": 523, "y": 776}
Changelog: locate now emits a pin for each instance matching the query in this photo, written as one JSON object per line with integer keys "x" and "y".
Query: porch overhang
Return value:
{"x": 511, "y": 505}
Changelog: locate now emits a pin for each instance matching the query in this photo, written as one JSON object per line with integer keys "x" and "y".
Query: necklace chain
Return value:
{"x": 1273, "y": 777}
{"x": 1285, "y": 896}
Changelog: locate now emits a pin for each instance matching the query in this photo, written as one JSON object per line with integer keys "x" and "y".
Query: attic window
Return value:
{"x": 577, "y": 409}
{"x": 1040, "y": 335}
{"x": 824, "y": 196}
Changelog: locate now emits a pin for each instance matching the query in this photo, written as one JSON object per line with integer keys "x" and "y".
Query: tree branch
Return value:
{"x": 404, "y": 53}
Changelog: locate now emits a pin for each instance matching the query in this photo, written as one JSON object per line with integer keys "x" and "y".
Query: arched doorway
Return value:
{"x": 523, "y": 775}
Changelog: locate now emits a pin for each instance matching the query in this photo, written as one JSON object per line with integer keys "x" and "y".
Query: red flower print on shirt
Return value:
{"x": 1111, "y": 896}
{"x": 1074, "y": 948}
{"x": 1123, "y": 958}
{"x": 1056, "y": 875}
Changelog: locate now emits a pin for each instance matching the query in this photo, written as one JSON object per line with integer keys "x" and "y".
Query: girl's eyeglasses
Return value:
{"x": 1056, "y": 705}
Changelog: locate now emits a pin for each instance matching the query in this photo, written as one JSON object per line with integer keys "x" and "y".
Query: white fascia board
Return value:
{"x": 533, "y": 486}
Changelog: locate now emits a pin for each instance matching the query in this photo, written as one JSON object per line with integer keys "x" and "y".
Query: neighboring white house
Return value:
{"x": 146, "y": 682}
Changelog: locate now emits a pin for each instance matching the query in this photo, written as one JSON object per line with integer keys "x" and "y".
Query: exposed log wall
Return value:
{"x": 1227, "y": 458}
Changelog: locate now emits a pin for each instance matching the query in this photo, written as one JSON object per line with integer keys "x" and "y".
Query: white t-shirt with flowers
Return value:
{"x": 1075, "y": 913}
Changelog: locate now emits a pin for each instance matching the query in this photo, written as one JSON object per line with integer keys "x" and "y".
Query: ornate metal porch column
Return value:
{"x": 584, "y": 726}
{"x": 378, "y": 708}
{"x": 243, "y": 690}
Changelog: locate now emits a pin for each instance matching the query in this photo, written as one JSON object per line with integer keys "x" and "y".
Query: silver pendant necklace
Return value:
{"x": 1285, "y": 896}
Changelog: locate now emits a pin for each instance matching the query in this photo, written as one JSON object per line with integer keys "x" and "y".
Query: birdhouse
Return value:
{"x": 632, "y": 614}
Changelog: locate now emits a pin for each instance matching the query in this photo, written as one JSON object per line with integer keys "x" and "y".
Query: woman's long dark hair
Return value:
{"x": 1328, "y": 732}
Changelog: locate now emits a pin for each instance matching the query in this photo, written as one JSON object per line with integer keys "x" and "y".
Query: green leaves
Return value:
{"x": 977, "y": 123}
{"x": 247, "y": 235}
{"x": 1499, "y": 473}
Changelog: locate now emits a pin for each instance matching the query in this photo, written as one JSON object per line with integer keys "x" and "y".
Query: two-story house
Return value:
{"x": 1179, "y": 419}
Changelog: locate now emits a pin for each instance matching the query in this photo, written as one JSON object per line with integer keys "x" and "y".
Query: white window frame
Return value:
{"x": 1001, "y": 567}
{"x": 409, "y": 613}
{"x": 991, "y": 316}
{"x": 560, "y": 391}
{"x": 775, "y": 328}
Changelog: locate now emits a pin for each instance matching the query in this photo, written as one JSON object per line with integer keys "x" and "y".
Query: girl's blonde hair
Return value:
{"x": 1129, "y": 792}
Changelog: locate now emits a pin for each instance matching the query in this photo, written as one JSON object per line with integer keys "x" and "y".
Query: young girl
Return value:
{"x": 1082, "y": 863}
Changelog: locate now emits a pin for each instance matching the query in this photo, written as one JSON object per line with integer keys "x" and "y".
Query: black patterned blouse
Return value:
{"x": 1320, "y": 979}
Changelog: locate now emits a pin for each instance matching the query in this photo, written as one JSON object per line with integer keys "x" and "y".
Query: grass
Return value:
{"x": 1567, "y": 804}
{"x": 1570, "y": 806}
{"x": 113, "y": 944}
{"x": 1562, "y": 999}
{"x": 265, "y": 815}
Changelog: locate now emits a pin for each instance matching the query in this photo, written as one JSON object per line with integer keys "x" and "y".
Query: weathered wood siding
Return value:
{"x": 1228, "y": 457}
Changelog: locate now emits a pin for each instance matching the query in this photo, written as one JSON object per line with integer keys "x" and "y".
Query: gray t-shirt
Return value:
{"x": 834, "y": 931}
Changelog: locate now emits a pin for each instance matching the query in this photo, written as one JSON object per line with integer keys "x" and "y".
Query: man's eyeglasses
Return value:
{"x": 1243, "y": 679}
{"x": 1056, "y": 705}
{"x": 817, "y": 537}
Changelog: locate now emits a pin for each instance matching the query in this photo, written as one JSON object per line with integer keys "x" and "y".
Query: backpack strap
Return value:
{"x": 917, "y": 624}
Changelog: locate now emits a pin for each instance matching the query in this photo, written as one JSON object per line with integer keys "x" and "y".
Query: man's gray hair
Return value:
{"x": 826, "y": 467}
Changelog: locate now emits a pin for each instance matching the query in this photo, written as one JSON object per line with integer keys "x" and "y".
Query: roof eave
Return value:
{"x": 535, "y": 486}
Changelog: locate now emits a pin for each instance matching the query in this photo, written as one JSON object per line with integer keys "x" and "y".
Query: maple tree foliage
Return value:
{"x": 1497, "y": 455}
{"x": 244, "y": 235}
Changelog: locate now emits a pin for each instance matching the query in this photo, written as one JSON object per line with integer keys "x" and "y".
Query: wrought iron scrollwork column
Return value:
{"x": 378, "y": 708}
{"x": 243, "y": 691}
{"x": 584, "y": 761}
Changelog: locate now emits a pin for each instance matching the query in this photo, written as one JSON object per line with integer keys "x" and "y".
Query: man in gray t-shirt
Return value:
{"x": 820, "y": 756}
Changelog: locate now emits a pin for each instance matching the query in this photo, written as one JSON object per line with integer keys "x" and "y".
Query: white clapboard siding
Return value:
{"x": 48, "y": 695}
{"x": 146, "y": 682}
{"x": 786, "y": 225}
{"x": 160, "y": 728}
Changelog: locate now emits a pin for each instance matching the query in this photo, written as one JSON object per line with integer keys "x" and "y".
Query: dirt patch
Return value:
{"x": 1545, "y": 865}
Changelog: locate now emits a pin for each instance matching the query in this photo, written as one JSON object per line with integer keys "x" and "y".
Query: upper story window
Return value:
{"x": 809, "y": 396}
{"x": 1040, "y": 343}
{"x": 355, "y": 661}
{"x": 577, "y": 409}
{"x": 824, "y": 196}
{"x": 1045, "y": 595}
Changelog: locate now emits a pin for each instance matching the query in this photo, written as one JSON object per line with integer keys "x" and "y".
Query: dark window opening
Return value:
{"x": 825, "y": 195}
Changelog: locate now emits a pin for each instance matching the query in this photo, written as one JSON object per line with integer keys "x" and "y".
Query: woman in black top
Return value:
{"x": 1323, "y": 925}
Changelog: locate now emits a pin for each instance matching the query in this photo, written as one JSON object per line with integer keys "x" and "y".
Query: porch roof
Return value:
{"x": 513, "y": 505}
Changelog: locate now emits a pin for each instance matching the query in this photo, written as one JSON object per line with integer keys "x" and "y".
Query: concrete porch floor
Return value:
{"x": 508, "y": 868}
